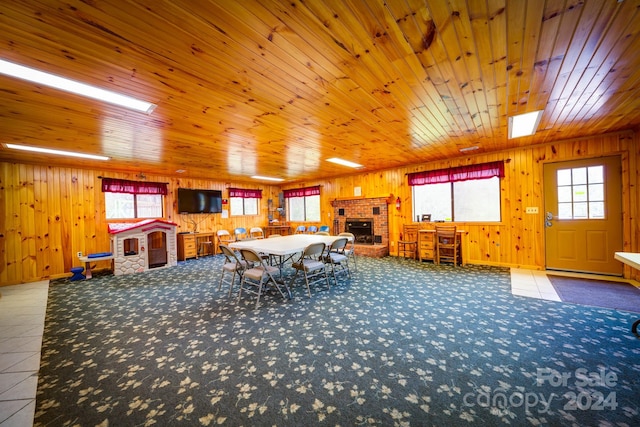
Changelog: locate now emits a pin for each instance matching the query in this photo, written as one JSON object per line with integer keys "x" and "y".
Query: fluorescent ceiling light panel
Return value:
{"x": 56, "y": 152}
{"x": 343, "y": 162}
{"x": 467, "y": 149}
{"x": 40, "y": 77}
{"x": 524, "y": 124}
{"x": 267, "y": 178}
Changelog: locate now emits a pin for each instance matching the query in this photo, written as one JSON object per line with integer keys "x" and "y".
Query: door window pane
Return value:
{"x": 581, "y": 193}
{"x": 596, "y": 210}
{"x": 579, "y": 176}
{"x": 596, "y": 174}
{"x": 564, "y": 177}
{"x": 596, "y": 192}
{"x": 564, "y": 194}
{"x": 565, "y": 211}
{"x": 580, "y": 210}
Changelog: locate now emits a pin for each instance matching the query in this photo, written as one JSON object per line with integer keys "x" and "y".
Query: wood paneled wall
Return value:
{"x": 518, "y": 240}
{"x": 50, "y": 213}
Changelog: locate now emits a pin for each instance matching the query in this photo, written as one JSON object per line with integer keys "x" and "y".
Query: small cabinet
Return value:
{"x": 426, "y": 246}
{"x": 187, "y": 246}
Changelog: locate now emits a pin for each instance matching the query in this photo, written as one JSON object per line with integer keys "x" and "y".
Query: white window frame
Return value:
{"x": 138, "y": 201}
{"x": 241, "y": 206}
{"x": 310, "y": 209}
{"x": 445, "y": 203}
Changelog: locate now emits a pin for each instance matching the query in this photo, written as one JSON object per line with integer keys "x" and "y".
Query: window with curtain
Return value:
{"x": 462, "y": 194}
{"x": 133, "y": 199}
{"x": 244, "y": 201}
{"x": 303, "y": 204}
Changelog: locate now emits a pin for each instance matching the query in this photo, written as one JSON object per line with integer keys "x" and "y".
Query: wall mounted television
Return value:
{"x": 199, "y": 201}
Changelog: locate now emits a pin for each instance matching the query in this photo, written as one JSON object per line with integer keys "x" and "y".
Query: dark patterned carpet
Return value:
{"x": 402, "y": 343}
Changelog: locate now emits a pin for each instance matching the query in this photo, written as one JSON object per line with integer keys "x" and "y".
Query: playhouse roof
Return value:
{"x": 116, "y": 228}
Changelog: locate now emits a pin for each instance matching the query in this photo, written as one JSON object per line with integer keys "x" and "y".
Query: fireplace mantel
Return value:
{"x": 333, "y": 202}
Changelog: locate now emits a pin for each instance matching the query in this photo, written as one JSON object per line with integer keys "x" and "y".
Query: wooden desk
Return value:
{"x": 284, "y": 230}
{"x": 427, "y": 247}
{"x": 188, "y": 244}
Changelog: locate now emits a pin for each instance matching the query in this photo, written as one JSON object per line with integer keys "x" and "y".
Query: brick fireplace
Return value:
{"x": 375, "y": 210}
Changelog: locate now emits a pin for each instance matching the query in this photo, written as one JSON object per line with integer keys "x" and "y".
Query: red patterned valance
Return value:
{"x": 245, "y": 194}
{"x": 112, "y": 185}
{"x": 460, "y": 173}
{"x": 302, "y": 192}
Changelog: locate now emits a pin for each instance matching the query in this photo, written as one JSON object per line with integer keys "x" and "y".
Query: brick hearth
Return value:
{"x": 375, "y": 208}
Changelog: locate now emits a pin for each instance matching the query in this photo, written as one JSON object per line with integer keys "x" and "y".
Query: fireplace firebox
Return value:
{"x": 362, "y": 229}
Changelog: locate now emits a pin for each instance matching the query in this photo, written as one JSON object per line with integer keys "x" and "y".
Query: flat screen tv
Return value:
{"x": 199, "y": 201}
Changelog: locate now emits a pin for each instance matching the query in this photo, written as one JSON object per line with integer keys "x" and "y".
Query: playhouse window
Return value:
{"x": 130, "y": 247}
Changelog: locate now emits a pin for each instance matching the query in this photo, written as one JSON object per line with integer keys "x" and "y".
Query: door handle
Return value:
{"x": 548, "y": 218}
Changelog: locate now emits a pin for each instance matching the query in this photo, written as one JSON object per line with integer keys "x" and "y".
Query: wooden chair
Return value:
{"x": 408, "y": 243}
{"x": 205, "y": 246}
{"x": 447, "y": 244}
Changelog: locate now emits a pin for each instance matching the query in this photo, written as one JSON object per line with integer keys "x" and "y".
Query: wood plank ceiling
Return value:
{"x": 274, "y": 87}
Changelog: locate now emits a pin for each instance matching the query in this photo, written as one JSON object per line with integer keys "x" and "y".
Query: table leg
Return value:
{"x": 87, "y": 270}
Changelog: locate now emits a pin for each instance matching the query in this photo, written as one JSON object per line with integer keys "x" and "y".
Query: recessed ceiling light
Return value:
{"x": 267, "y": 178}
{"x": 181, "y": 171}
{"x": 524, "y": 124}
{"x": 51, "y": 80}
{"x": 56, "y": 152}
{"x": 344, "y": 162}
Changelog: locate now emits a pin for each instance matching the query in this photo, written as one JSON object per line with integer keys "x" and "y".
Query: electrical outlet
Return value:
{"x": 531, "y": 209}
{"x": 79, "y": 254}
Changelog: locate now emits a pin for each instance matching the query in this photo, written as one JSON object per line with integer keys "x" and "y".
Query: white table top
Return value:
{"x": 629, "y": 258}
{"x": 283, "y": 245}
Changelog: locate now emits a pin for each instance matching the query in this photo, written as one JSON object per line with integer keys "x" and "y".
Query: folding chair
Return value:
{"x": 232, "y": 265}
{"x": 350, "y": 248}
{"x": 337, "y": 259}
{"x": 258, "y": 276}
{"x": 312, "y": 266}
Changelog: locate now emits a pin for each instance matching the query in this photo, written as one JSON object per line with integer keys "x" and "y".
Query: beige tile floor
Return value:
{"x": 533, "y": 284}
{"x": 22, "y": 313}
